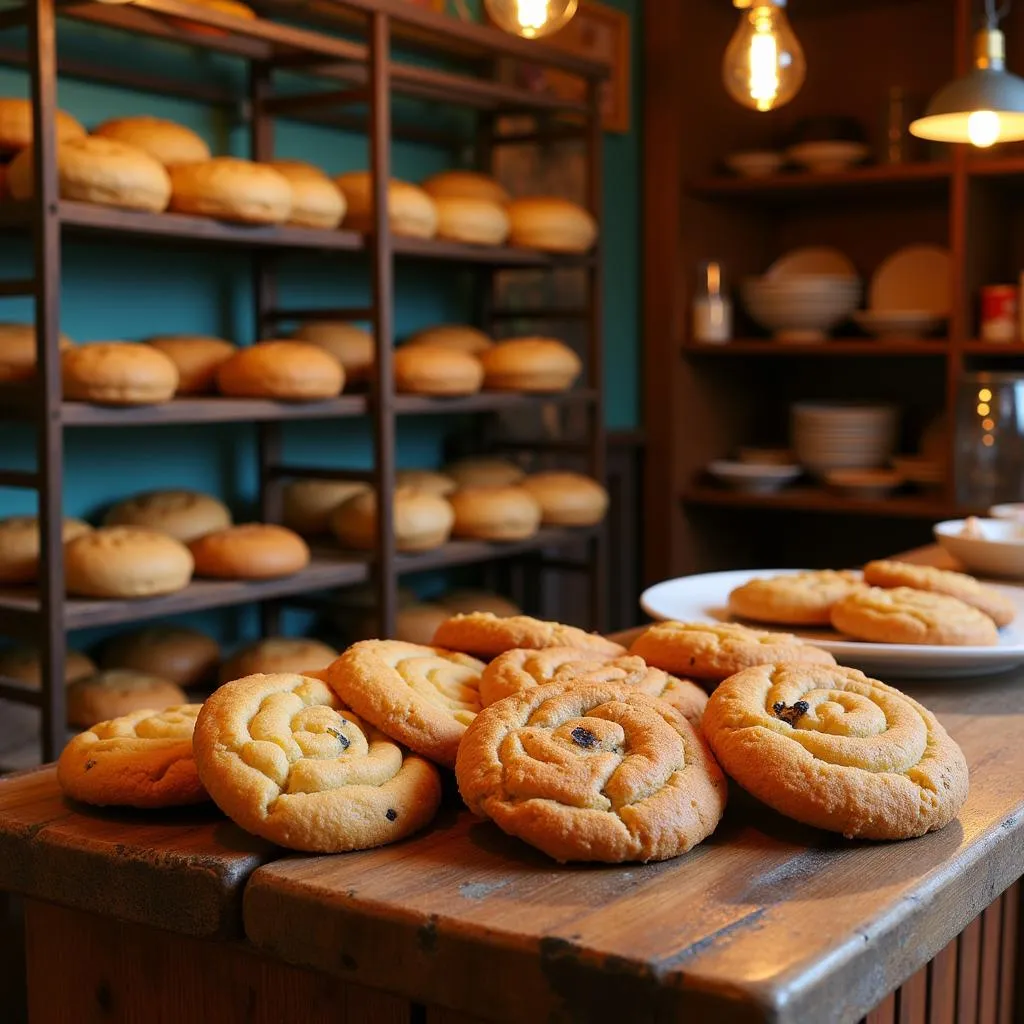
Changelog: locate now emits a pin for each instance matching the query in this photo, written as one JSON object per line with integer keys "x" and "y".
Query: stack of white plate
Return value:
{"x": 834, "y": 435}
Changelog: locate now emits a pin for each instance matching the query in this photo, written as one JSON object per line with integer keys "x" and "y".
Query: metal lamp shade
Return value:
{"x": 945, "y": 120}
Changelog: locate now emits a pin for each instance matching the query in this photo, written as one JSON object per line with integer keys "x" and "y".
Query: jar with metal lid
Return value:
{"x": 989, "y": 450}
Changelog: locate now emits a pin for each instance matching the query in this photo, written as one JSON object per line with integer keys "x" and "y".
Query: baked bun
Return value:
{"x": 184, "y": 515}
{"x": 19, "y": 546}
{"x": 568, "y": 499}
{"x": 417, "y": 623}
{"x": 309, "y": 504}
{"x": 126, "y": 561}
{"x": 167, "y": 141}
{"x": 495, "y": 513}
{"x": 530, "y": 364}
{"x": 277, "y": 654}
{"x": 476, "y": 221}
{"x": 117, "y": 373}
{"x": 466, "y": 185}
{"x": 183, "y": 656}
{"x": 290, "y": 371}
{"x": 118, "y": 692}
{"x": 351, "y": 346}
{"x": 231, "y": 7}
{"x": 24, "y": 665}
{"x": 428, "y": 480}
{"x": 465, "y": 602}
{"x": 422, "y": 521}
{"x": 410, "y": 210}
{"x": 233, "y": 190}
{"x": 251, "y": 551}
{"x": 552, "y": 224}
{"x": 16, "y": 125}
{"x": 457, "y": 336}
{"x": 422, "y": 370}
{"x": 18, "y": 351}
{"x": 316, "y": 201}
{"x": 197, "y": 358}
{"x": 484, "y": 471}
{"x": 96, "y": 170}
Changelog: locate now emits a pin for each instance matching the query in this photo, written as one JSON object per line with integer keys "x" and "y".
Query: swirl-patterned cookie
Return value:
{"x": 423, "y": 697}
{"x": 143, "y": 759}
{"x": 799, "y": 599}
{"x": 714, "y": 651}
{"x": 591, "y": 772}
{"x": 834, "y": 749}
{"x": 285, "y": 760}
{"x": 487, "y": 636}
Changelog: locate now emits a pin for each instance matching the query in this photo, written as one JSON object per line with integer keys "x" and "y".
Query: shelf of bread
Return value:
{"x": 867, "y": 347}
{"x": 819, "y": 499}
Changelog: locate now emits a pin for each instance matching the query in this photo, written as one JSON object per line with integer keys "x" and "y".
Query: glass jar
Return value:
{"x": 712, "y": 310}
{"x": 990, "y": 439}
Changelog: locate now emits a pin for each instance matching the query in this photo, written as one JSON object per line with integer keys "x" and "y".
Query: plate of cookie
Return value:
{"x": 909, "y": 621}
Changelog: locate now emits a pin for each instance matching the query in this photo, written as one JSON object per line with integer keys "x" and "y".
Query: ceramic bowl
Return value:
{"x": 753, "y": 479}
{"x": 755, "y": 164}
{"x": 827, "y": 157}
{"x": 991, "y": 547}
{"x": 864, "y": 483}
{"x": 1013, "y": 510}
{"x": 885, "y": 323}
{"x": 802, "y": 308}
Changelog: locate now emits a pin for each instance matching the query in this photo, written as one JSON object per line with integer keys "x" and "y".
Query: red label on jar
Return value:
{"x": 999, "y": 312}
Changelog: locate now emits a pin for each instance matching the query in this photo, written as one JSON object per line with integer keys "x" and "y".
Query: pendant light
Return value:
{"x": 531, "y": 19}
{"x": 985, "y": 106}
{"x": 764, "y": 63}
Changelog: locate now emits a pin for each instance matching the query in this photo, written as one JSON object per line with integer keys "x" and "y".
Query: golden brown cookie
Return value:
{"x": 274, "y": 655}
{"x": 905, "y": 616}
{"x": 832, "y": 748}
{"x": 423, "y": 697}
{"x": 486, "y": 635}
{"x": 998, "y": 607}
{"x": 118, "y": 692}
{"x": 802, "y": 599}
{"x": 713, "y": 651}
{"x": 592, "y": 772}
{"x": 126, "y": 561}
{"x": 143, "y": 759}
{"x": 284, "y": 759}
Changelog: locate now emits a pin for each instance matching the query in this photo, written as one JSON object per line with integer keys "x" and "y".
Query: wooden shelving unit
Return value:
{"x": 347, "y": 57}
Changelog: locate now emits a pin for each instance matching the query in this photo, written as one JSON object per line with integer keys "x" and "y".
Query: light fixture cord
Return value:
{"x": 993, "y": 14}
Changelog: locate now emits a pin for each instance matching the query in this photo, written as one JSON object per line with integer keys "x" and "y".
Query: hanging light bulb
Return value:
{"x": 764, "y": 63}
{"x": 984, "y": 107}
{"x": 531, "y": 18}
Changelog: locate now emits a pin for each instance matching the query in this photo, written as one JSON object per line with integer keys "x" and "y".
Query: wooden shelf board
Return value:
{"x": 471, "y": 552}
{"x": 867, "y": 347}
{"x": 996, "y": 167}
{"x": 992, "y": 348}
{"x": 819, "y": 499}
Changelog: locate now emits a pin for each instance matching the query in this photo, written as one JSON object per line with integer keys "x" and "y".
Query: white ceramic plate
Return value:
{"x": 916, "y": 278}
{"x": 813, "y": 260}
{"x": 704, "y": 598}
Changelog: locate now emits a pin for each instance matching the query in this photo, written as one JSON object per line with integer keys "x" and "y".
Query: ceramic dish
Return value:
{"x": 896, "y": 323}
{"x": 704, "y": 598}
{"x": 864, "y": 483}
{"x": 992, "y": 547}
{"x": 1013, "y": 510}
{"x": 755, "y": 164}
{"x": 827, "y": 157}
{"x": 751, "y": 477}
{"x": 915, "y": 278}
{"x": 812, "y": 260}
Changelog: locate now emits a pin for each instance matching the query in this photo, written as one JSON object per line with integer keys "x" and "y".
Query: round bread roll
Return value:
{"x": 16, "y": 125}
{"x": 568, "y": 499}
{"x": 309, "y": 504}
{"x": 351, "y": 346}
{"x": 184, "y": 656}
{"x": 184, "y": 515}
{"x": 422, "y": 521}
{"x": 117, "y": 373}
{"x": 290, "y": 371}
{"x": 411, "y": 211}
{"x": 476, "y": 221}
{"x": 126, "y": 561}
{"x": 18, "y": 351}
{"x": 428, "y": 480}
{"x": 251, "y": 551}
{"x": 422, "y": 370}
{"x": 233, "y": 190}
{"x": 231, "y": 7}
{"x": 418, "y": 623}
{"x": 466, "y": 185}
{"x": 465, "y": 602}
{"x": 277, "y": 654}
{"x": 530, "y": 364}
{"x": 95, "y": 170}
{"x": 484, "y": 471}
{"x": 118, "y": 692}
{"x": 316, "y": 201}
{"x": 197, "y": 358}
{"x": 456, "y": 336}
{"x": 495, "y": 513}
{"x": 24, "y": 665}
{"x": 551, "y": 224}
{"x": 19, "y": 546}
{"x": 167, "y": 141}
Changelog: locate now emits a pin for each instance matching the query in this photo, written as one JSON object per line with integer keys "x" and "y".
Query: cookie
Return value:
{"x": 283, "y": 759}
{"x": 832, "y": 748}
{"x": 714, "y": 651}
{"x": 905, "y": 616}
{"x": 802, "y": 599}
{"x": 143, "y": 759}
{"x": 591, "y": 772}
{"x": 423, "y": 697}
{"x": 487, "y": 636}
{"x": 119, "y": 692}
{"x": 997, "y": 606}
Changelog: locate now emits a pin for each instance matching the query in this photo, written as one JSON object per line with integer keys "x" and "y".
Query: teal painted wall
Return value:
{"x": 114, "y": 291}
